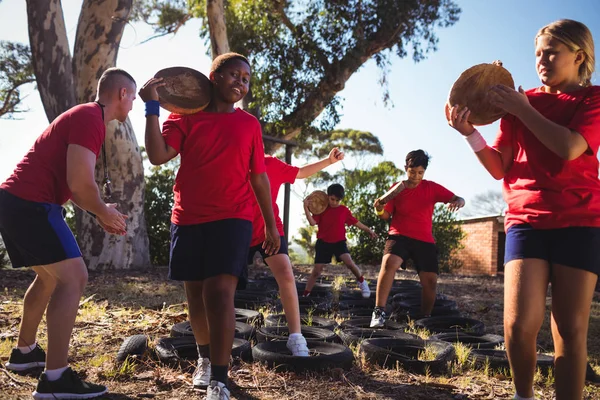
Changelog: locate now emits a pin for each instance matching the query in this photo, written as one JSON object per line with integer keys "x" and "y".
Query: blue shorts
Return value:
{"x": 576, "y": 247}
{"x": 283, "y": 249}
{"x": 324, "y": 251}
{"x": 35, "y": 234}
{"x": 206, "y": 250}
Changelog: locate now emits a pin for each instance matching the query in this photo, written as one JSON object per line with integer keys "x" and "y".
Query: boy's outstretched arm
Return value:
{"x": 335, "y": 155}
{"x": 455, "y": 203}
{"x": 365, "y": 228}
{"x": 157, "y": 149}
{"x": 262, "y": 191}
{"x": 309, "y": 216}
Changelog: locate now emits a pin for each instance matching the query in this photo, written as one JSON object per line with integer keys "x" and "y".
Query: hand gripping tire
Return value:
{"x": 281, "y": 333}
{"x": 323, "y": 356}
{"x": 133, "y": 346}
{"x": 487, "y": 341}
{"x": 242, "y": 330}
{"x": 351, "y": 336}
{"x": 316, "y": 322}
{"x": 451, "y": 324}
{"x": 390, "y": 352}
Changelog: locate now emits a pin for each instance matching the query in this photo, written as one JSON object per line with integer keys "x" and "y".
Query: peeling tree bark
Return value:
{"x": 51, "y": 56}
{"x": 99, "y": 33}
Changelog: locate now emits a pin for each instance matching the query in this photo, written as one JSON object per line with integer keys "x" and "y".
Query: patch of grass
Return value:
{"x": 6, "y": 347}
{"x": 92, "y": 311}
{"x": 339, "y": 282}
{"x": 462, "y": 353}
{"x": 99, "y": 360}
{"x": 123, "y": 371}
{"x": 309, "y": 317}
{"x": 427, "y": 354}
{"x": 423, "y": 333}
{"x": 267, "y": 310}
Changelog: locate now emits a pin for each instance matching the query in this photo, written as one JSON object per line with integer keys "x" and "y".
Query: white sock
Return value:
{"x": 295, "y": 335}
{"x": 27, "y": 349}
{"x": 54, "y": 374}
{"x": 517, "y": 397}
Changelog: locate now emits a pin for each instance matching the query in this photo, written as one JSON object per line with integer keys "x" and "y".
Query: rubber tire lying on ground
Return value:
{"x": 311, "y": 334}
{"x": 409, "y": 304}
{"x": 356, "y": 312}
{"x": 172, "y": 350}
{"x": 487, "y": 341}
{"x": 351, "y": 336}
{"x": 451, "y": 324}
{"x": 133, "y": 346}
{"x": 498, "y": 360}
{"x": 389, "y": 352}
{"x": 250, "y": 317}
{"x": 365, "y": 322}
{"x": 317, "y": 322}
{"x": 242, "y": 330}
{"x": 323, "y": 356}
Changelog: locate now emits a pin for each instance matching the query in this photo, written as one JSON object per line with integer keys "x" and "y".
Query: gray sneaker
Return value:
{"x": 217, "y": 391}
{"x": 378, "y": 318}
{"x": 201, "y": 377}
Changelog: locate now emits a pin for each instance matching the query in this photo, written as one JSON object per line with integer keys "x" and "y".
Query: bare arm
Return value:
{"x": 365, "y": 228}
{"x": 309, "y": 216}
{"x": 262, "y": 191}
{"x": 156, "y": 147}
{"x": 335, "y": 155}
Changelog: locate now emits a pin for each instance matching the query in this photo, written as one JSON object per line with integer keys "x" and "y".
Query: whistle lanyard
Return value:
{"x": 106, "y": 184}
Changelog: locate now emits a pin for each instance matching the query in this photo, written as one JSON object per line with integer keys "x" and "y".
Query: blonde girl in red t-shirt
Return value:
{"x": 547, "y": 153}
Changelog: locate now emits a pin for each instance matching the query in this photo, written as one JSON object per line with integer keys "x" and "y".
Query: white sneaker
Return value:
{"x": 297, "y": 345}
{"x": 364, "y": 288}
{"x": 201, "y": 377}
{"x": 378, "y": 319}
{"x": 217, "y": 391}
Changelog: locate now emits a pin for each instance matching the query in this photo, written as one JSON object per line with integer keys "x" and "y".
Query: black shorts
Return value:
{"x": 283, "y": 249}
{"x": 423, "y": 254}
{"x": 576, "y": 247}
{"x": 324, "y": 251}
{"x": 35, "y": 234}
{"x": 206, "y": 250}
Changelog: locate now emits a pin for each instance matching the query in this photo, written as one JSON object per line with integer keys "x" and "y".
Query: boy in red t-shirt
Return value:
{"x": 547, "y": 153}
{"x": 280, "y": 173}
{"x": 59, "y": 167}
{"x": 410, "y": 234}
{"x": 222, "y": 164}
{"x": 331, "y": 238}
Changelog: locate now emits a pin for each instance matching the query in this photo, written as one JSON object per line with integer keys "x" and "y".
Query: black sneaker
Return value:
{"x": 22, "y": 362}
{"x": 68, "y": 386}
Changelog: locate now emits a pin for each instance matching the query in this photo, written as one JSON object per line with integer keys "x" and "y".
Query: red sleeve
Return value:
{"x": 257, "y": 160}
{"x": 317, "y": 218}
{"x": 586, "y": 120}
{"x": 504, "y": 137}
{"x": 441, "y": 194}
{"x": 350, "y": 220}
{"x": 287, "y": 172}
{"x": 87, "y": 129}
{"x": 173, "y": 132}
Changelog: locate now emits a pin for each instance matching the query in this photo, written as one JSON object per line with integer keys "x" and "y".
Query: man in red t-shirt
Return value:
{"x": 59, "y": 167}
{"x": 331, "y": 238}
{"x": 280, "y": 173}
{"x": 410, "y": 233}
{"x": 222, "y": 169}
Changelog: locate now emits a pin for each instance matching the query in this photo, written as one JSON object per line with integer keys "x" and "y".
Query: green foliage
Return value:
{"x": 307, "y": 240}
{"x": 157, "y": 206}
{"x": 320, "y": 143}
{"x": 16, "y": 69}
{"x": 448, "y": 235}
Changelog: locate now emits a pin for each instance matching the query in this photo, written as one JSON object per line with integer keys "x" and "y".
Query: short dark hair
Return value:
{"x": 109, "y": 79}
{"x": 336, "y": 190}
{"x": 417, "y": 158}
{"x": 220, "y": 61}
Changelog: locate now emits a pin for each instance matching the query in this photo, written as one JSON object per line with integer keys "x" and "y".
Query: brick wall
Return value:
{"x": 479, "y": 255}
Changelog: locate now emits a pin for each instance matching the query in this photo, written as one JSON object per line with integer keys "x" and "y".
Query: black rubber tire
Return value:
{"x": 351, "y": 336}
{"x": 356, "y": 312}
{"x": 323, "y": 356}
{"x": 316, "y": 322}
{"x": 365, "y": 322}
{"x": 388, "y": 352}
{"x": 241, "y": 349}
{"x": 415, "y": 313}
{"x": 281, "y": 333}
{"x": 242, "y": 330}
{"x": 251, "y": 301}
{"x": 133, "y": 346}
{"x": 172, "y": 350}
{"x": 318, "y": 287}
{"x": 355, "y": 295}
{"x": 270, "y": 293}
{"x": 413, "y": 295}
{"x": 439, "y": 304}
{"x": 451, "y": 324}
{"x": 487, "y": 341}
{"x": 251, "y": 317}
{"x": 359, "y": 303}
{"x": 498, "y": 360}
{"x": 314, "y": 302}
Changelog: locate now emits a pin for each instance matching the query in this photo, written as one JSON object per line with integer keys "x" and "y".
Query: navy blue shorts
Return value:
{"x": 206, "y": 250}
{"x": 423, "y": 254}
{"x": 324, "y": 251}
{"x": 35, "y": 234}
{"x": 283, "y": 249}
{"x": 576, "y": 247}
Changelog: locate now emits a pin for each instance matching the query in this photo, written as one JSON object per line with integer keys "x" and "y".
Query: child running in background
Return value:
{"x": 331, "y": 238}
{"x": 547, "y": 153}
{"x": 212, "y": 217}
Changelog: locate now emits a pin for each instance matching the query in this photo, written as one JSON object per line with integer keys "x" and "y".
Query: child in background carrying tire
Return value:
{"x": 547, "y": 153}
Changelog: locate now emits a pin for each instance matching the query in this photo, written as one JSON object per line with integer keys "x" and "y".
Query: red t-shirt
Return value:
{"x": 217, "y": 151}
{"x": 412, "y": 210}
{"x": 41, "y": 175}
{"x": 278, "y": 173}
{"x": 542, "y": 189}
{"x": 332, "y": 223}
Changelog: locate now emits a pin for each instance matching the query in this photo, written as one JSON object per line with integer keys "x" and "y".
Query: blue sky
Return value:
{"x": 486, "y": 31}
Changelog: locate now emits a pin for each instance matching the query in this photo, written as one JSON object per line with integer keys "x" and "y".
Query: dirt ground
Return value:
{"x": 120, "y": 304}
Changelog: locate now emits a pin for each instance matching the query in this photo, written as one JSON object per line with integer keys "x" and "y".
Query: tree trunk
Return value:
{"x": 215, "y": 13}
{"x": 99, "y": 33}
{"x": 50, "y": 56}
